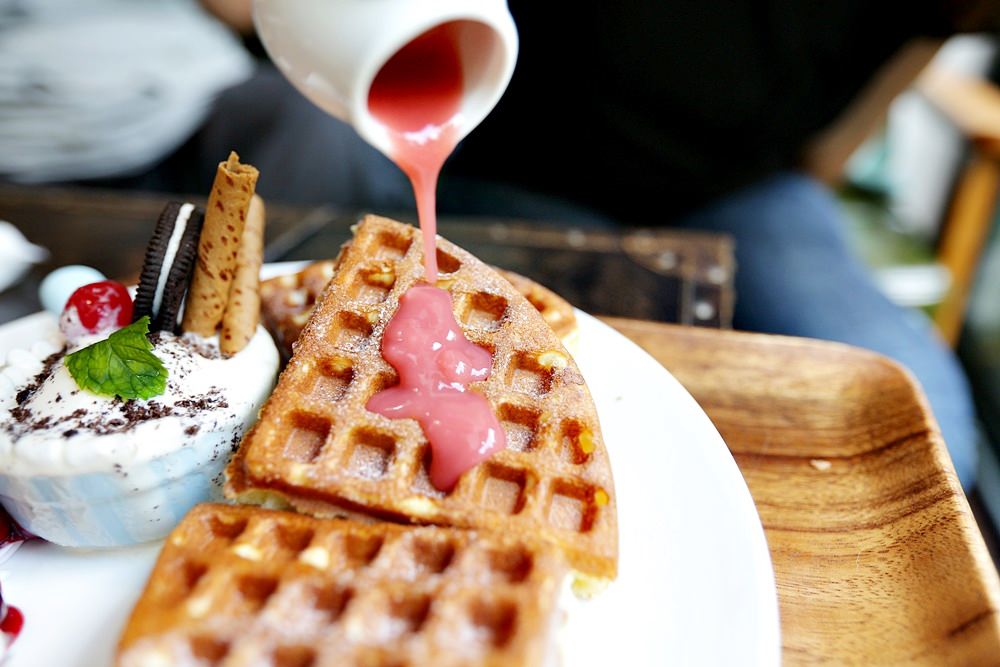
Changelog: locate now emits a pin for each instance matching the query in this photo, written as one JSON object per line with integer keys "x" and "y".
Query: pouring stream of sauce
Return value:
{"x": 417, "y": 96}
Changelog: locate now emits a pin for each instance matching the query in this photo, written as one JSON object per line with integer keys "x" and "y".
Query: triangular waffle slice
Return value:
{"x": 240, "y": 585}
{"x": 318, "y": 449}
{"x": 287, "y": 302}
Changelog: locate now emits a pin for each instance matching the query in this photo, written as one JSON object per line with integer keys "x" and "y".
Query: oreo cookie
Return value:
{"x": 166, "y": 271}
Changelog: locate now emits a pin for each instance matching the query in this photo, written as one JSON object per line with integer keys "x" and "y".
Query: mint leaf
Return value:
{"x": 121, "y": 365}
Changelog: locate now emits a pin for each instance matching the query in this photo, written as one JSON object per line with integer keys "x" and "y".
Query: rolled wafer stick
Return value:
{"x": 225, "y": 218}
{"x": 239, "y": 322}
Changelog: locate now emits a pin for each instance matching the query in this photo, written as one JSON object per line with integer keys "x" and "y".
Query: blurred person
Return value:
{"x": 685, "y": 113}
{"x": 102, "y": 88}
{"x": 147, "y": 95}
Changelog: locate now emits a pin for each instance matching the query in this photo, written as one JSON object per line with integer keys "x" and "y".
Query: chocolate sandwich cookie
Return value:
{"x": 166, "y": 271}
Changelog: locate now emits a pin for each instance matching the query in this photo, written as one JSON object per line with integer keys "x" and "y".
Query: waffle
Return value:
{"x": 288, "y": 301}
{"x": 318, "y": 450}
{"x": 555, "y": 310}
{"x": 236, "y": 586}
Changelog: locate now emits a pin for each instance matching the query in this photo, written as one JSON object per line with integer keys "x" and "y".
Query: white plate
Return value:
{"x": 696, "y": 585}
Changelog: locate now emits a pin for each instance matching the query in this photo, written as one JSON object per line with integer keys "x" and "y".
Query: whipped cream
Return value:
{"x": 49, "y": 426}
{"x": 84, "y": 470}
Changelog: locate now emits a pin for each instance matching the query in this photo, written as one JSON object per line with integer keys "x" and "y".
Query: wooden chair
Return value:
{"x": 973, "y": 105}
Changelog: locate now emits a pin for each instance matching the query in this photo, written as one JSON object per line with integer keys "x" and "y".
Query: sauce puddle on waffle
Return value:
{"x": 417, "y": 95}
{"x": 436, "y": 364}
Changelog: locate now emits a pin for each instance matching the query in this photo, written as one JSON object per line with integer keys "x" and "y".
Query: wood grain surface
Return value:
{"x": 877, "y": 557}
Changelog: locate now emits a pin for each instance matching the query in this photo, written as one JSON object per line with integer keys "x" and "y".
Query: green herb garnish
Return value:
{"x": 121, "y": 365}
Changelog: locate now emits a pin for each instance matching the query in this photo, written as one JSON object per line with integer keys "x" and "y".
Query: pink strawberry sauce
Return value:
{"x": 417, "y": 96}
{"x": 436, "y": 364}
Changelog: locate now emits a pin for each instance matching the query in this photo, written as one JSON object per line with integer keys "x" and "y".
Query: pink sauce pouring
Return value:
{"x": 417, "y": 95}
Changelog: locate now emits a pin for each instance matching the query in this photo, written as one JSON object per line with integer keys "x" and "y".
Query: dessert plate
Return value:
{"x": 695, "y": 580}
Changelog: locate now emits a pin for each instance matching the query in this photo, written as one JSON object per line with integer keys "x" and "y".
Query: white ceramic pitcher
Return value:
{"x": 331, "y": 50}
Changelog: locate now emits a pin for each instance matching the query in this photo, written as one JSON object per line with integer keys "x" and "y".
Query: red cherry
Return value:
{"x": 12, "y": 622}
{"x": 101, "y": 305}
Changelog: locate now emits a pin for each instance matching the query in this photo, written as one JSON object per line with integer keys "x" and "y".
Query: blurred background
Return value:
{"x": 912, "y": 153}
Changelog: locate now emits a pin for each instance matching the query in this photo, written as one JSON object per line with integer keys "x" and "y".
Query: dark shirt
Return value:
{"x": 645, "y": 109}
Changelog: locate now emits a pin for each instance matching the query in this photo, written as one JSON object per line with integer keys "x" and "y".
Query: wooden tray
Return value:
{"x": 877, "y": 557}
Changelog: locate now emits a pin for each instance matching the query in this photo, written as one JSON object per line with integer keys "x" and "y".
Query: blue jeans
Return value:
{"x": 796, "y": 276}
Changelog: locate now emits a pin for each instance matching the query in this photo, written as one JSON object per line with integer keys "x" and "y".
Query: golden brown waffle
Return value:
{"x": 287, "y": 302}
{"x": 237, "y": 586}
{"x": 555, "y": 310}
{"x": 318, "y": 449}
